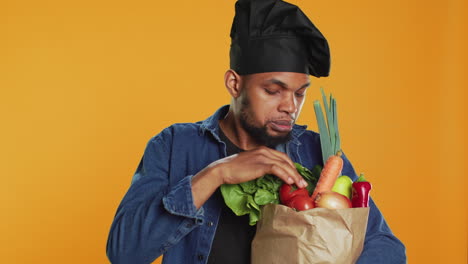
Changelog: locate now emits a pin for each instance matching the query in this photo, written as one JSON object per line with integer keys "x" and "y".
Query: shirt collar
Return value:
{"x": 211, "y": 124}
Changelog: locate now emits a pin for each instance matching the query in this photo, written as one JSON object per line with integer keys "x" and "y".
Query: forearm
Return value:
{"x": 381, "y": 245}
{"x": 383, "y": 248}
{"x": 134, "y": 232}
{"x": 154, "y": 214}
{"x": 205, "y": 183}
{"x": 150, "y": 220}
{"x": 135, "y": 237}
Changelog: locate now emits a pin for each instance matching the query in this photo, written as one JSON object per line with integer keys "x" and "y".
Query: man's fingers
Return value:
{"x": 290, "y": 167}
{"x": 277, "y": 163}
{"x": 279, "y": 172}
{"x": 289, "y": 175}
{"x": 278, "y": 154}
{"x": 269, "y": 158}
{"x": 282, "y": 156}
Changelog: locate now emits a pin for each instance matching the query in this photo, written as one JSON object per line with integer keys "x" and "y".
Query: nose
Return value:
{"x": 288, "y": 103}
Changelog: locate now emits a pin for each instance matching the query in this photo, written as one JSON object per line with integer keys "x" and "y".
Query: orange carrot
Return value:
{"x": 330, "y": 172}
{"x": 330, "y": 143}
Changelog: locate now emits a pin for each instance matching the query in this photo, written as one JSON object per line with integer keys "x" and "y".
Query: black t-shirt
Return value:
{"x": 234, "y": 235}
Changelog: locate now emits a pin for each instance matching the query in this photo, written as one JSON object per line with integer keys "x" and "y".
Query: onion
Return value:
{"x": 332, "y": 200}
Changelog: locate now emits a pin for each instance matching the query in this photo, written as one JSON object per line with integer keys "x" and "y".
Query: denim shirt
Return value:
{"x": 157, "y": 215}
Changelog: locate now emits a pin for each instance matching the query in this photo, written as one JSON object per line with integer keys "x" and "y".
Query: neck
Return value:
{"x": 233, "y": 130}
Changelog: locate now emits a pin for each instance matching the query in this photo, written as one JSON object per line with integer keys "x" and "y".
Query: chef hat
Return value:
{"x": 275, "y": 36}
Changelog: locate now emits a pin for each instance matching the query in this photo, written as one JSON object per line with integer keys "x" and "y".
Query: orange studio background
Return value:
{"x": 85, "y": 84}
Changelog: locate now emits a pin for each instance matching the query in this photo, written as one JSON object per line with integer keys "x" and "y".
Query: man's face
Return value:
{"x": 270, "y": 104}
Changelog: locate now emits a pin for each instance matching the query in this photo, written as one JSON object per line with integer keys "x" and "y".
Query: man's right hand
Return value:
{"x": 255, "y": 163}
{"x": 244, "y": 167}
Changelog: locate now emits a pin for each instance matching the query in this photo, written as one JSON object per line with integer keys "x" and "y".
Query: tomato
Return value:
{"x": 301, "y": 203}
{"x": 287, "y": 192}
{"x": 298, "y": 199}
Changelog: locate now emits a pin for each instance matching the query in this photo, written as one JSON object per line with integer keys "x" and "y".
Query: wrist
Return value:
{"x": 210, "y": 176}
{"x": 205, "y": 183}
{"x": 217, "y": 171}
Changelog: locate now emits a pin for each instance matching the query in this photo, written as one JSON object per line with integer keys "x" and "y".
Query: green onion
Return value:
{"x": 335, "y": 124}
{"x": 329, "y": 135}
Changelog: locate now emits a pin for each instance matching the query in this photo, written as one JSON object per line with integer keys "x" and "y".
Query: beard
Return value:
{"x": 259, "y": 133}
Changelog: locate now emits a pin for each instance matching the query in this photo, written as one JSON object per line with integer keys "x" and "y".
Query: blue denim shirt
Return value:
{"x": 157, "y": 215}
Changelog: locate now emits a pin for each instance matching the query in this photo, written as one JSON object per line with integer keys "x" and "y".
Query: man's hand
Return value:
{"x": 255, "y": 163}
{"x": 244, "y": 167}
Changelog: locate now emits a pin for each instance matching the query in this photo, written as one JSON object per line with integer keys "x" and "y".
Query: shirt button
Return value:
{"x": 200, "y": 257}
{"x": 210, "y": 223}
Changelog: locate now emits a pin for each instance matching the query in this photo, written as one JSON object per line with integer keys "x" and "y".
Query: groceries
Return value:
{"x": 325, "y": 224}
{"x": 361, "y": 189}
{"x": 247, "y": 197}
{"x": 326, "y": 188}
{"x": 333, "y": 190}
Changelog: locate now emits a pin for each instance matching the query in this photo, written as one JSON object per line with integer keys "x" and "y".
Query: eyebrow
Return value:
{"x": 284, "y": 85}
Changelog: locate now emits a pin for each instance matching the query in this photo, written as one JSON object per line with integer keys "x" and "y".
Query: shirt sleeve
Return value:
{"x": 380, "y": 245}
{"x": 153, "y": 215}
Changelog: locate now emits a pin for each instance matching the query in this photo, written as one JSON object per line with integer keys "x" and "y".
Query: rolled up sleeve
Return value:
{"x": 380, "y": 245}
{"x": 153, "y": 215}
{"x": 179, "y": 201}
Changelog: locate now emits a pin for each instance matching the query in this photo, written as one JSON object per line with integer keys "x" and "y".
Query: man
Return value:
{"x": 174, "y": 207}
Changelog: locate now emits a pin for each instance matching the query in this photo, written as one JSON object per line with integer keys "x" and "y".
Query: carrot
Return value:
{"x": 330, "y": 172}
{"x": 330, "y": 143}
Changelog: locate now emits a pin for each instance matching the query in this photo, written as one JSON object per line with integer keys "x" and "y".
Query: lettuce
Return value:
{"x": 248, "y": 197}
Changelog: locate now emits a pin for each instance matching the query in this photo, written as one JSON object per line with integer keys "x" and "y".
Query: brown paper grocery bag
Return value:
{"x": 319, "y": 235}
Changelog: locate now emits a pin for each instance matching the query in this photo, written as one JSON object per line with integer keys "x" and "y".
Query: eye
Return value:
{"x": 301, "y": 92}
{"x": 270, "y": 91}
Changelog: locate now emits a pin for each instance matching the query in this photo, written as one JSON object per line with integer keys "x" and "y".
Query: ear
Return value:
{"x": 232, "y": 81}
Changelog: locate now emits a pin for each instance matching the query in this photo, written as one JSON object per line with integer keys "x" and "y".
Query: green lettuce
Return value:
{"x": 248, "y": 197}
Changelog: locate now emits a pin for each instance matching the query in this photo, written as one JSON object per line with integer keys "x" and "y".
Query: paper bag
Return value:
{"x": 320, "y": 235}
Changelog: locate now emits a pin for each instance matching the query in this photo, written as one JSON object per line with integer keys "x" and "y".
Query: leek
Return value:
{"x": 328, "y": 130}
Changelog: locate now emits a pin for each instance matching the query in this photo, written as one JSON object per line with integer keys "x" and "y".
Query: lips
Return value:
{"x": 283, "y": 122}
{"x": 282, "y": 125}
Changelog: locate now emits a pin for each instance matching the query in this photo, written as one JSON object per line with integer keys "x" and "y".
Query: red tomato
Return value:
{"x": 301, "y": 203}
{"x": 286, "y": 193}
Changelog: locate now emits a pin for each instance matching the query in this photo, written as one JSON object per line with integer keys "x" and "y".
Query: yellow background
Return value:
{"x": 85, "y": 84}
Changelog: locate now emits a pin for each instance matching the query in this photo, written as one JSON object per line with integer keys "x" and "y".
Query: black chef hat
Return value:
{"x": 275, "y": 36}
